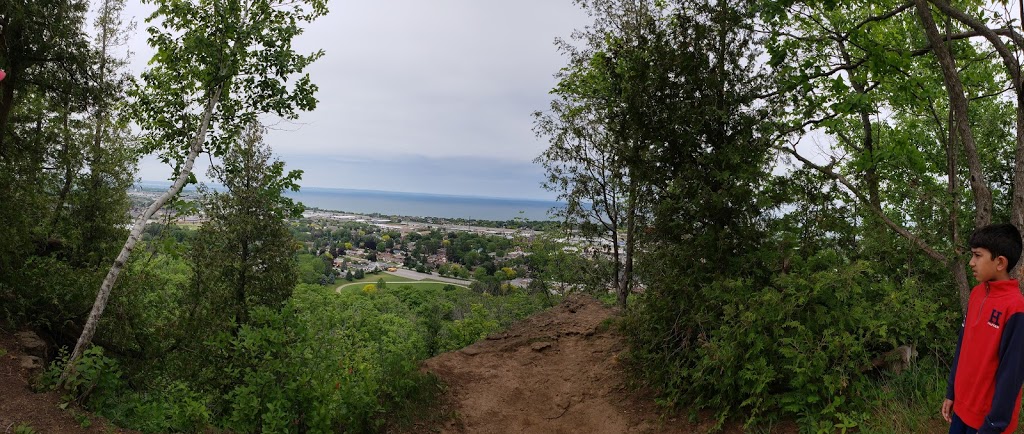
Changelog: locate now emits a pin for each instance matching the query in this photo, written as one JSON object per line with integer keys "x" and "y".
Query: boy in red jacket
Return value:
{"x": 983, "y": 392}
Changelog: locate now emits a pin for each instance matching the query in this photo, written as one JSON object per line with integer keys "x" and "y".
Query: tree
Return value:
{"x": 243, "y": 257}
{"x": 935, "y": 86}
{"x": 66, "y": 159}
{"x": 596, "y": 138}
{"x": 506, "y": 273}
{"x": 218, "y": 65}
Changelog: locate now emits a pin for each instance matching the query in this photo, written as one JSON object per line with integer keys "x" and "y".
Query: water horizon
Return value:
{"x": 396, "y": 203}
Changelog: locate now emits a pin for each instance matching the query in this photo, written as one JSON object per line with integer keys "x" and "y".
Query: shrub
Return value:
{"x": 322, "y": 363}
{"x": 95, "y": 380}
{"x": 476, "y": 325}
{"x": 795, "y": 347}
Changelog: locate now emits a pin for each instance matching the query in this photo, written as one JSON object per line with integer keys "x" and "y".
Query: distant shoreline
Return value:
{"x": 393, "y": 203}
{"x": 146, "y": 184}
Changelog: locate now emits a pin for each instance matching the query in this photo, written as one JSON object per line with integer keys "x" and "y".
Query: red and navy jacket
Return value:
{"x": 988, "y": 366}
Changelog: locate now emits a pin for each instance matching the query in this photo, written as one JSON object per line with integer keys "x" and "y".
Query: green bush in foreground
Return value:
{"x": 323, "y": 362}
{"x": 795, "y": 348}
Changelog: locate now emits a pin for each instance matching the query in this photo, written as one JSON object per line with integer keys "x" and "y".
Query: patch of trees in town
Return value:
{"x": 448, "y": 253}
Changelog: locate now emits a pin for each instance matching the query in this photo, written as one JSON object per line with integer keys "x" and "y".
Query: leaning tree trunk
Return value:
{"x": 1017, "y": 209}
{"x": 140, "y": 223}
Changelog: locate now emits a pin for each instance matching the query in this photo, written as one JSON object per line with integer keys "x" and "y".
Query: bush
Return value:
{"x": 475, "y": 326}
{"x": 95, "y": 380}
{"x": 795, "y": 347}
{"x": 323, "y": 363}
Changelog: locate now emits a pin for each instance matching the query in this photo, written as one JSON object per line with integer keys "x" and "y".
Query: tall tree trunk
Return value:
{"x": 957, "y": 265}
{"x": 611, "y": 200}
{"x": 963, "y": 286}
{"x": 958, "y": 105}
{"x": 69, "y": 179}
{"x": 1017, "y": 212}
{"x": 1017, "y": 209}
{"x": 140, "y": 223}
{"x": 626, "y": 284}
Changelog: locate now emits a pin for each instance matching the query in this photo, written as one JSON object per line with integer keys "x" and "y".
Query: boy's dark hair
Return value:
{"x": 1000, "y": 240}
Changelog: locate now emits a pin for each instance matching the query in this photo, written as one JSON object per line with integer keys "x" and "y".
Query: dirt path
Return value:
{"x": 20, "y": 406}
{"x": 556, "y": 372}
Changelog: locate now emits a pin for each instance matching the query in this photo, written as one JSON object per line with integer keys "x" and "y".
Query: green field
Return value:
{"x": 392, "y": 280}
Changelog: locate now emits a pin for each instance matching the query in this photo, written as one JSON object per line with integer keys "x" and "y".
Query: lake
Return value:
{"x": 423, "y": 205}
{"x": 406, "y": 204}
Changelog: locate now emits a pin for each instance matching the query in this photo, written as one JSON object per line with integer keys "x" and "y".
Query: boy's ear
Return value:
{"x": 1002, "y": 262}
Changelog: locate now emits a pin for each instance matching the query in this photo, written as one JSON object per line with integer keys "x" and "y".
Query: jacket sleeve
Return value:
{"x": 956, "y": 360}
{"x": 1009, "y": 376}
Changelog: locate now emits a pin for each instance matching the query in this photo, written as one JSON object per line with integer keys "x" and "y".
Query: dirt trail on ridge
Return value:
{"x": 21, "y": 407}
{"x": 555, "y": 372}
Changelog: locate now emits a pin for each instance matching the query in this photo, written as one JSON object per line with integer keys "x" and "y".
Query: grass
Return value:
{"x": 371, "y": 278}
{"x": 422, "y": 284}
{"x": 908, "y": 402}
{"x": 392, "y": 280}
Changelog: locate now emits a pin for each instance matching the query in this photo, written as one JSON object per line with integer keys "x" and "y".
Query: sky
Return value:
{"x": 425, "y": 96}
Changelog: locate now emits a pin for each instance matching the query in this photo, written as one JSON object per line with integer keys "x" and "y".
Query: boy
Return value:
{"x": 983, "y": 392}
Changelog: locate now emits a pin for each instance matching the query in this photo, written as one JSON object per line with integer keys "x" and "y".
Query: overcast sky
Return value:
{"x": 431, "y": 96}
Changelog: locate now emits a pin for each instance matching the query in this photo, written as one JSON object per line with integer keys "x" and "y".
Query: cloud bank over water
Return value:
{"x": 421, "y": 96}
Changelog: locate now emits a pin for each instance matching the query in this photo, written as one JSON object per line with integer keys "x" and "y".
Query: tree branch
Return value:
{"x": 861, "y": 197}
{"x": 1013, "y": 68}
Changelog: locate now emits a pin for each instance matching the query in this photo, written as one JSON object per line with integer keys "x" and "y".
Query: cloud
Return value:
{"x": 435, "y": 83}
{"x": 449, "y": 175}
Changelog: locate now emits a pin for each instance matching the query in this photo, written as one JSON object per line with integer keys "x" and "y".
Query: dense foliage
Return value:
{"x": 775, "y": 280}
{"x": 321, "y": 362}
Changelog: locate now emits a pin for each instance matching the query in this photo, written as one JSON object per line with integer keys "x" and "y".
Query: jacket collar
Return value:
{"x": 1001, "y": 287}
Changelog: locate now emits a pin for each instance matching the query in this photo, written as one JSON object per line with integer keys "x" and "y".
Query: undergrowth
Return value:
{"x": 324, "y": 362}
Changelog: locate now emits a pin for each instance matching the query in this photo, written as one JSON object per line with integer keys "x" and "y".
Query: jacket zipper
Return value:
{"x": 981, "y": 309}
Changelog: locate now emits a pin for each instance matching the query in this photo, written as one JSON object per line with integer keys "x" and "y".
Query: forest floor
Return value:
{"x": 555, "y": 372}
{"x": 21, "y": 407}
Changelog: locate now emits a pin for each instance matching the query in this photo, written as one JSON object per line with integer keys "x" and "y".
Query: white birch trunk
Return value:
{"x": 140, "y": 223}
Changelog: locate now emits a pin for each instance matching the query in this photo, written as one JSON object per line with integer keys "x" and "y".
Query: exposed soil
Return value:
{"x": 20, "y": 406}
{"x": 556, "y": 372}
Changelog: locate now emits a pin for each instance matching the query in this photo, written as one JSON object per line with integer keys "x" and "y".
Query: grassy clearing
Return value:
{"x": 393, "y": 280}
{"x": 421, "y": 284}
{"x": 371, "y": 278}
{"x": 908, "y": 402}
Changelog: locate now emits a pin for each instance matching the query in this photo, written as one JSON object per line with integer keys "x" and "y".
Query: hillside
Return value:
{"x": 21, "y": 407}
{"x": 556, "y": 372}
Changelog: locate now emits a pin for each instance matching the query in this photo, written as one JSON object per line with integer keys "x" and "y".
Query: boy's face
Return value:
{"x": 985, "y": 266}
